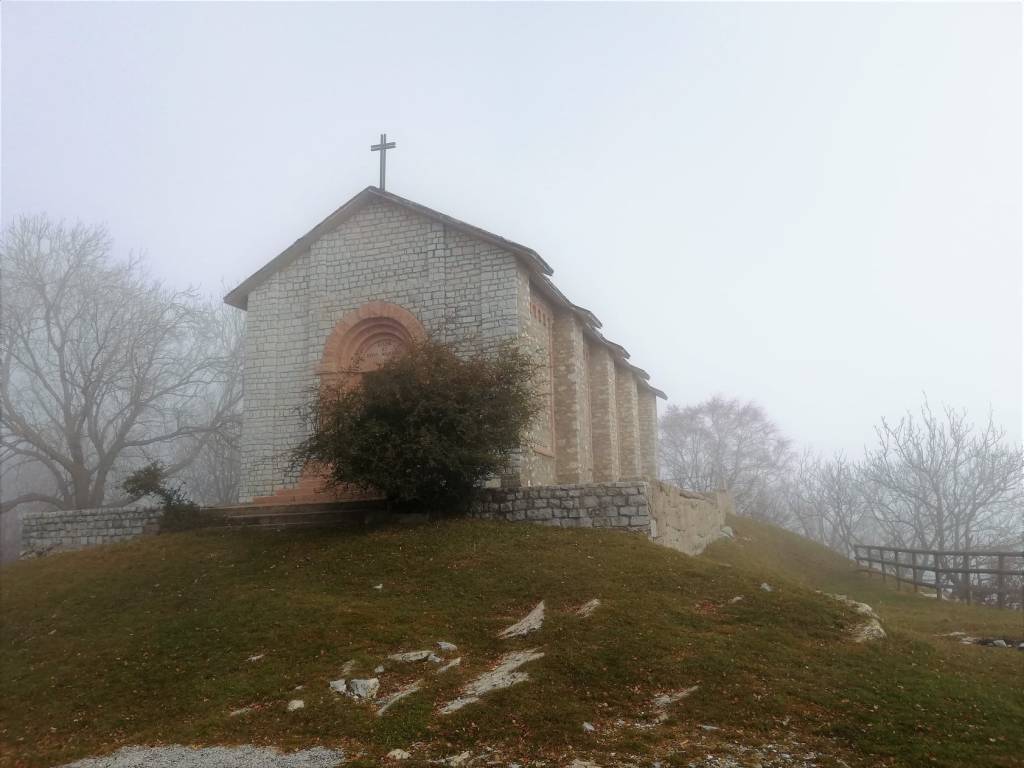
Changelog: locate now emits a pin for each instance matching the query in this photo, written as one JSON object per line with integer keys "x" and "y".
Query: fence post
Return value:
{"x": 938, "y": 581}
{"x": 967, "y": 577}
{"x": 1000, "y": 582}
{"x": 913, "y": 568}
{"x": 881, "y": 563}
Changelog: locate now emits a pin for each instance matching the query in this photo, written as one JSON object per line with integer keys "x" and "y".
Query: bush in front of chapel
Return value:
{"x": 427, "y": 427}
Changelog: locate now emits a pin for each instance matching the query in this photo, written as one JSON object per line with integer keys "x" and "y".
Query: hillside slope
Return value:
{"x": 158, "y": 641}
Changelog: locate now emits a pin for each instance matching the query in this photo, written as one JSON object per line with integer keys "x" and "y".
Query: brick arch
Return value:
{"x": 365, "y": 337}
{"x": 361, "y": 341}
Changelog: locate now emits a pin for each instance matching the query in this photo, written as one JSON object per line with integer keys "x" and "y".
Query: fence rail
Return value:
{"x": 957, "y": 574}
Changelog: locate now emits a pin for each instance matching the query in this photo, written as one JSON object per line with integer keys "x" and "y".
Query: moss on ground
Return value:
{"x": 148, "y": 642}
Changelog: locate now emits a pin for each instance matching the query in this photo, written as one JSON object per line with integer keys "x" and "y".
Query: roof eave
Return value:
{"x": 239, "y": 296}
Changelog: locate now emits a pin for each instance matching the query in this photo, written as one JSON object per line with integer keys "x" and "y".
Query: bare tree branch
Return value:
{"x": 102, "y": 367}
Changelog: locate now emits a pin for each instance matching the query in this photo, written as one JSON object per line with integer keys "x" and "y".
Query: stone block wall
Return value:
{"x": 604, "y": 425}
{"x": 572, "y": 406}
{"x": 43, "y": 533}
{"x": 647, "y": 416}
{"x": 686, "y": 520}
{"x": 629, "y": 423}
{"x": 538, "y": 332}
{"x": 674, "y": 518}
{"x": 606, "y": 505}
{"x": 458, "y": 287}
{"x": 599, "y": 422}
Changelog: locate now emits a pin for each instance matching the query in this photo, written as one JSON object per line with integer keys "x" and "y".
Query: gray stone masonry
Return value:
{"x": 60, "y": 530}
{"x": 608, "y": 505}
{"x": 677, "y": 519}
{"x": 459, "y": 288}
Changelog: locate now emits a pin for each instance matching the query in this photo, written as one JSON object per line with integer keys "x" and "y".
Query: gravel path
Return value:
{"x": 212, "y": 757}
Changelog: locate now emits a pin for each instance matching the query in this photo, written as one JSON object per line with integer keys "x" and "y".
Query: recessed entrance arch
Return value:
{"x": 366, "y": 338}
{"x": 362, "y": 341}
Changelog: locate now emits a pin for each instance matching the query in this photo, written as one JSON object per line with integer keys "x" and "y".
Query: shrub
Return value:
{"x": 427, "y": 427}
{"x": 179, "y": 512}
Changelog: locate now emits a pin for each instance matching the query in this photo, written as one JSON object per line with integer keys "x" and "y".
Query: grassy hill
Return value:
{"x": 149, "y": 642}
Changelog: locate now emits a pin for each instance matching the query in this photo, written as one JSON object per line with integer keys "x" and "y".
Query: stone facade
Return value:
{"x": 61, "y": 530}
{"x": 683, "y": 521}
{"x": 382, "y": 270}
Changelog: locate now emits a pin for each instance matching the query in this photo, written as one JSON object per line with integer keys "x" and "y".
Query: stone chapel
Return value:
{"x": 381, "y": 271}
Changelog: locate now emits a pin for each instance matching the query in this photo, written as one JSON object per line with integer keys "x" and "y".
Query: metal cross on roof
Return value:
{"x": 383, "y": 148}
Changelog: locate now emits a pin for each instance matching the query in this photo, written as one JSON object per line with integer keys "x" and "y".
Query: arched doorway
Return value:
{"x": 366, "y": 338}
{"x": 362, "y": 341}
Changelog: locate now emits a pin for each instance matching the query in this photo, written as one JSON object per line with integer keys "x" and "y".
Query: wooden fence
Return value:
{"x": 989, "y": 578}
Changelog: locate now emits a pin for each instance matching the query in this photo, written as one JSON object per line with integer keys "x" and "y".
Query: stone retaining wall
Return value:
{"x": 608, "y": 505}
{"x": 686, "y": 520}
{"x": 60, "y": 530}
{"x": 679, "y": 519}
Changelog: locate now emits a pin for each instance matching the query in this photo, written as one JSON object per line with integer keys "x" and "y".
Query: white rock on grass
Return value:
{"x": 456, "y": 760}
{"x": 862, "y": 608}
{"x": 734, "y": 600}
{"x": 766, "y": 587}
{"x": 409, "y": 657}
{"x": 588, "y": 608}
{"x": 177, "y": 756}
{"x": 365, "y": 688}
{"x": 397, "y": 696}
{"x": 588, "y": 728}
{"x": 665, "y": 700}
{"x": 241, "y": 711}
{"x": 295, "y": 704}
{"x": 450, "y": 665}
{"x": 447, "y": 647}
{"x": 504, "y": 675}
{"x": 257, "y": 657}
{"x": 533, "y": 621}
{"x": 398, "y": 754}
{"x": 668, "y": 699}
{"x": 727, "y": 531}
{"x": 869, "y": 630}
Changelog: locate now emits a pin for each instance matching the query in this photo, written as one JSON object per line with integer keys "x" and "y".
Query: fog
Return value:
{"x": 815, "y": 206}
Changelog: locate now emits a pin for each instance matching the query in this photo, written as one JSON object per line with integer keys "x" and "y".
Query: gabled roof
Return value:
{"x": 539, "y": 268}
{"x": 239, "y": 297}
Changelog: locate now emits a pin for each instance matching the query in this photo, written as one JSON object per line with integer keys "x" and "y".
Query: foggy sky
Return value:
{"x": 817, "y": 206}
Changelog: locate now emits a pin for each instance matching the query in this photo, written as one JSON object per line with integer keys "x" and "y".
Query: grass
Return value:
{"x": 148, "y": 642}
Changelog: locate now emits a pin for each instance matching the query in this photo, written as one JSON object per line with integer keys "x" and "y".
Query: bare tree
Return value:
{"x": 101, "y": 367}
{"x": 214, "y": 477}
{"x": 936, "y": 481}
{"x": 724, "y": 444}
{"x": 828, "y": 503}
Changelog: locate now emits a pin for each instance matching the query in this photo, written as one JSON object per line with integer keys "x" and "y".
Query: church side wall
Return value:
{"x": 629, "y": 423}
{"x": 574, "y": 461}
{"x": 538, "y": 323}
{"x": 647, "y": 411}
{"x": 603, "y": 416}
{"x": 459, "y": 288}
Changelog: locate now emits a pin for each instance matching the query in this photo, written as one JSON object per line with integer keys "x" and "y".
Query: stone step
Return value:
{"x": 330, "y": 514}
